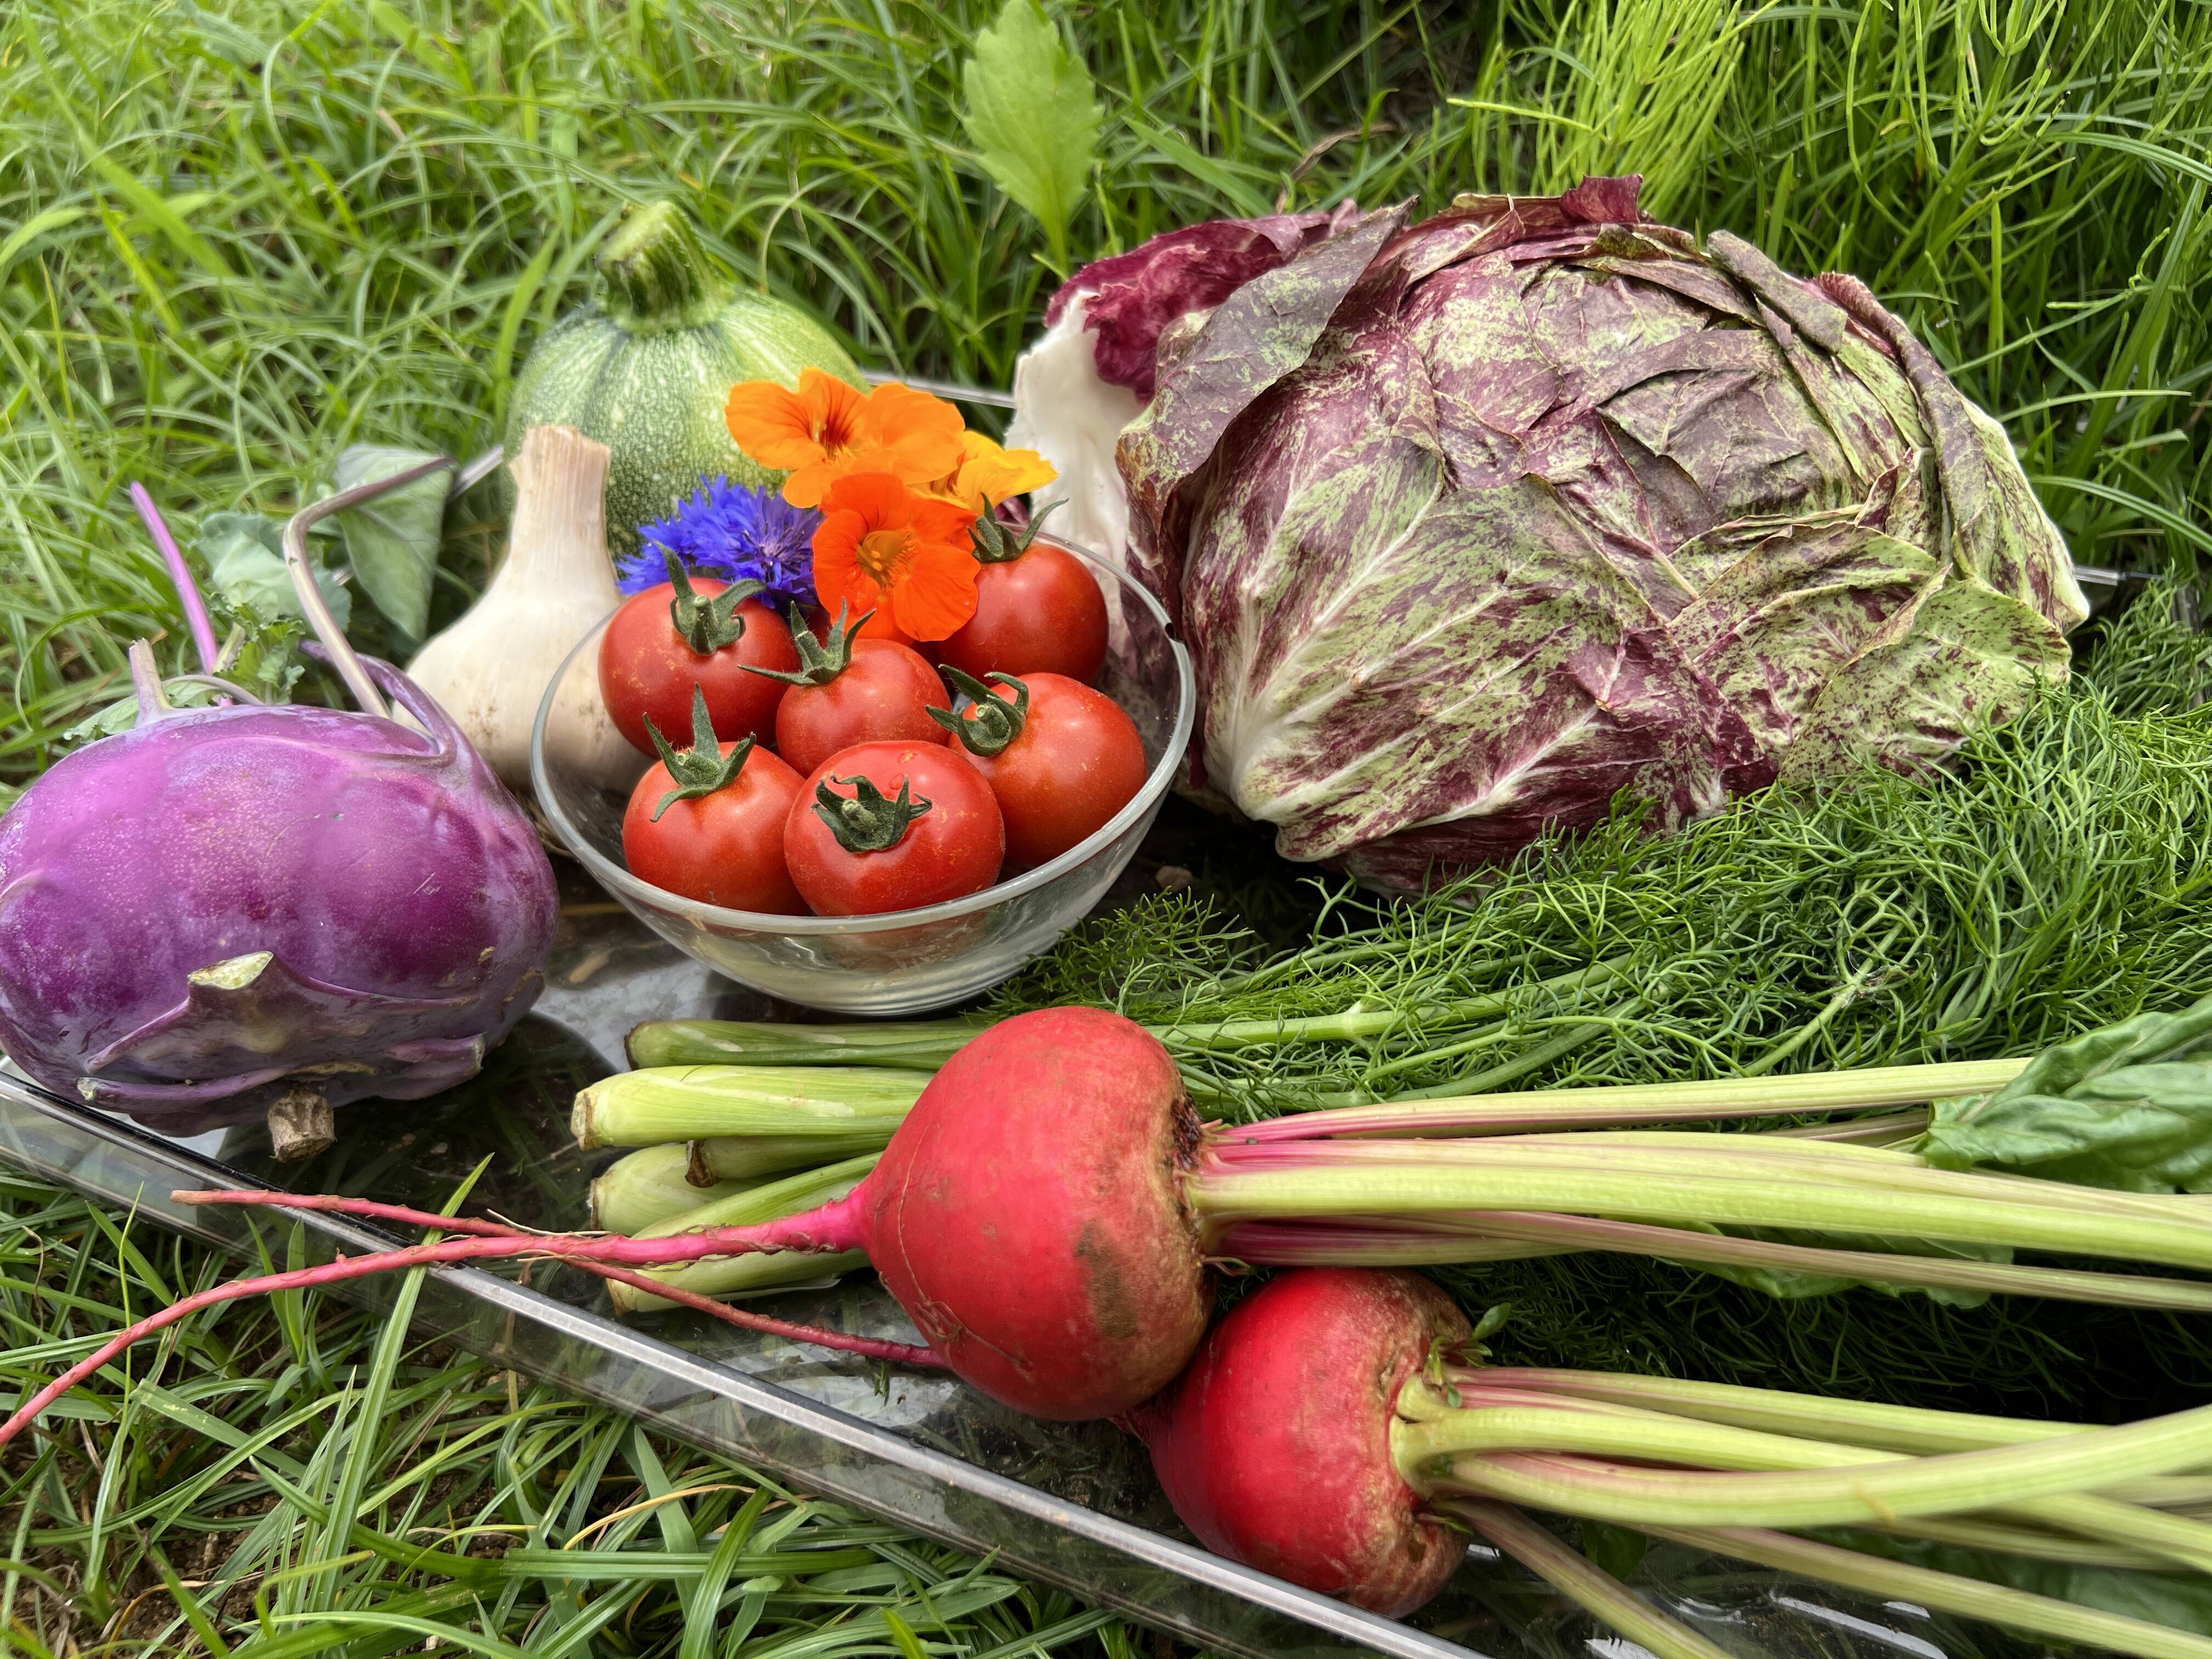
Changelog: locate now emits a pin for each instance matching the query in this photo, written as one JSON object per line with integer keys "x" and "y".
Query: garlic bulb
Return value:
{"x": 490, "y": 669}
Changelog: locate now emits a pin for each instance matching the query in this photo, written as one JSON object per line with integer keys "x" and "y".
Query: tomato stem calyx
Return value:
{"x": 996, "y": 542}
{"x": 992, "y": 720}
{"x": 706, "y": 624}
{"x": 820, "y": 661}
{"x": 865, "y": 820}
{"x": 703, "y": 768}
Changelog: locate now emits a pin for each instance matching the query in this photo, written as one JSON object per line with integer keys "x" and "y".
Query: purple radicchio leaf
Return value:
{"x": 1472, "y": 525}
{"x": 1133, "y": 296}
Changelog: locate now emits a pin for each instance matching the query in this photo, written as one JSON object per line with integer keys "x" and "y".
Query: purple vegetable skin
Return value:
{"x": 1472, "y": 525}
{"x": 225, "y": 907}
{"x": 1130, "y": 298}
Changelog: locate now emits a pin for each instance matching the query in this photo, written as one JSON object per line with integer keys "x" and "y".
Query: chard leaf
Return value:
{"x": 245, "y": 557}
{"x": 2127, "y": 1107}
{"x": 1617, "y": 1550}
{"x": 393, "y": 541}
{"x": 2180, "y": 1601}
{"x": 1031, "y": 117}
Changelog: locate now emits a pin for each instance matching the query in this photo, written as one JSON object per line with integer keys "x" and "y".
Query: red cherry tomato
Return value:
{"x": 850, "y": 691}
{"x": 1061, "y": 758}
{"x": 724, "y": 846}
{"x": 1040, "y": 612}
{"x": 648, "y": 669}
{"x": 882, "y": 856}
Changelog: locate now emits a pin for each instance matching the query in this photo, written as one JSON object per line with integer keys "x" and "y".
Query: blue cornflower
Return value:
{"x": 734, "y": 532}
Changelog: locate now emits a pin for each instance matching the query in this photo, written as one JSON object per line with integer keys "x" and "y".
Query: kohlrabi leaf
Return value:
{"x": 123, "y": 713}
{"x": 245, "y": 556}
{"x": 2129, "y": 1106}
{"x": 393, "y": 540}
{"x": 258, "y": 652}
{"x": 1032, "y": 116}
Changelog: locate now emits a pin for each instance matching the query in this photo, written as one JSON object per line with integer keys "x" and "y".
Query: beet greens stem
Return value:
{"x": 1596, "y": 1591}
{"x": 1742, "y": 1181}
{"x": 1832, "y": 1485}
{"x": 1647, "y": 1103}
{"x": 1506, "y": 1235}
{"x": 1449, "y": 1446}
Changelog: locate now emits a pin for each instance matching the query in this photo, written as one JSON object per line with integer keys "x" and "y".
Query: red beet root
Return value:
{"x": 1274, "y": 1445}
{"x": 1028, "y": 1216}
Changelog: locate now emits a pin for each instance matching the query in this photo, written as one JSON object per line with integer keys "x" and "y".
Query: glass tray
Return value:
{"x": 1073, "y": 1506}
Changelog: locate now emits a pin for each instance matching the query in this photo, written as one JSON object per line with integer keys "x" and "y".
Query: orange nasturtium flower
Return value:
{"x": 826, "y": 429}
{"x": 880, "y": 546}
{"x": 987, "y": 475}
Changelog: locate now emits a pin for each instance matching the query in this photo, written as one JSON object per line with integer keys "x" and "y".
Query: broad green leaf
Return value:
{"x": 123, "y": 713}
{"x": 2180, "y": 1602}
{"x": 1618, "y": 1550}
{"x": 1032, "y": 116}
{"x": 245, "y": 556}
{"x": 2129, "y": 1106}
{"x": 393, "y": 540}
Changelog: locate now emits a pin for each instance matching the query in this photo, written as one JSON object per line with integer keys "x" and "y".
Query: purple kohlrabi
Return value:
{"x": 225, "y": 910}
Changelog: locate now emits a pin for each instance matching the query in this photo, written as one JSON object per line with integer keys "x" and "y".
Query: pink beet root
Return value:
{"x": 1027, "y": 1215}
{"x": 1274, "y": 1445}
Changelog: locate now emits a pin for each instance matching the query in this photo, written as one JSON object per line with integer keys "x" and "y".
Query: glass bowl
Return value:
{"x": 907, "y": 961}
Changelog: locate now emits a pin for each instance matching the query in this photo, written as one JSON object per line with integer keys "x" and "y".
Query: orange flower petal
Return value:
{"x": 936, "y": 520}
{"x": 935, "y": 596}
{"x": 877, "y": 497}
{"x": 834, "y": 405}
{"x": 770, "y": 424}
{"x": 920, "y": 433}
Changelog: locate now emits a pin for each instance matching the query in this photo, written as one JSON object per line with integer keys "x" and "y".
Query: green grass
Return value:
{"x": 234, "y": 239}
{"x": 182, "y": 1503}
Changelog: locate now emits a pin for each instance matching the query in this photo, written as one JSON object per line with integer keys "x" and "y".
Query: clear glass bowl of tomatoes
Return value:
{"x": 898, "y": 962}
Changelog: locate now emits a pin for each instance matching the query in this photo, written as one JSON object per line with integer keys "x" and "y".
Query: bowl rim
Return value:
{"x": 624, "y": 885}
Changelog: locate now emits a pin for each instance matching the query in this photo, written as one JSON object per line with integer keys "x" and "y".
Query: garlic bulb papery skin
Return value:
{"x": 490, "y": 669}
{"x": 1070, "y": 415}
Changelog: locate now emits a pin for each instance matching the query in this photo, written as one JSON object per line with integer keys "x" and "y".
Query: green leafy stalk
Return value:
{"x": 820, "y": 660}
{"x": 921, "y": 1045}
{"x": 650, "y": 1185}
{"x": 752, "y": 1276}
{"x": 687, "y": 1103}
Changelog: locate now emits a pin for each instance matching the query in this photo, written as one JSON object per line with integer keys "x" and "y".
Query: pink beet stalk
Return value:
{"x": 180, "y": 578}
{"x": 608, "y": 1257}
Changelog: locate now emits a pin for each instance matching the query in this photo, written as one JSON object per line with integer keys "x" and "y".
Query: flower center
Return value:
{"x": 835, "y": 434}
{"x": 882, "y": 552}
